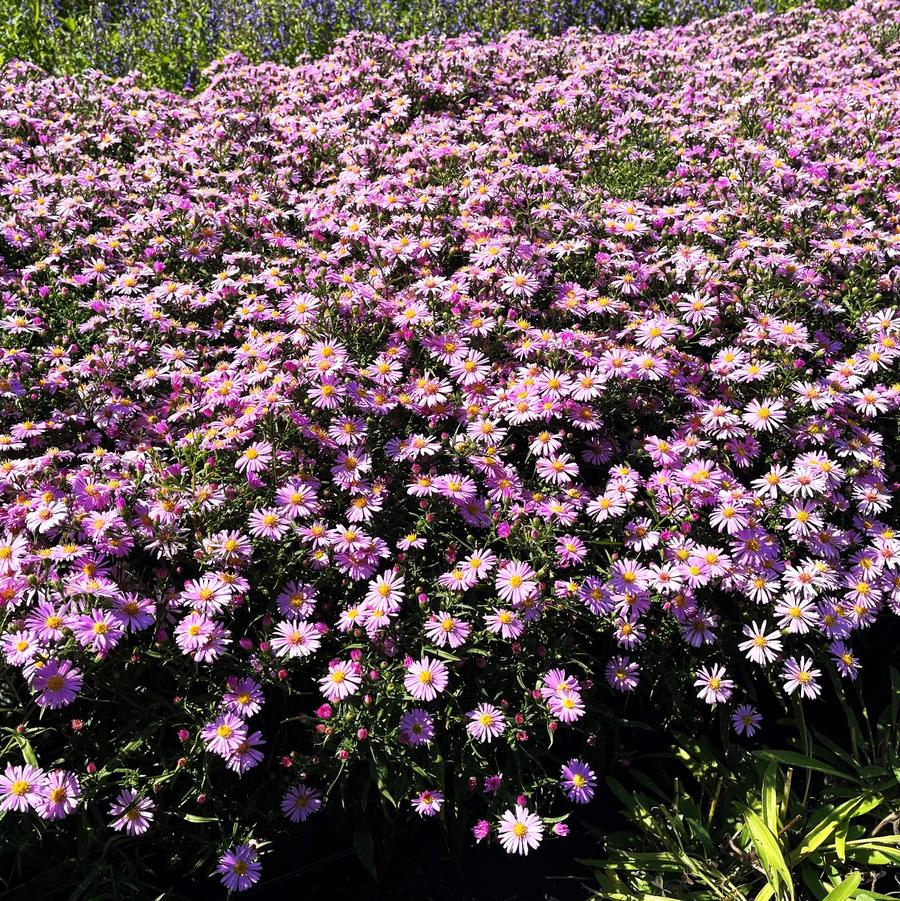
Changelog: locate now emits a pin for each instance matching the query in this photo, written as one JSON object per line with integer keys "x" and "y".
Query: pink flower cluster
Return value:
{"x": 379, "y": 390}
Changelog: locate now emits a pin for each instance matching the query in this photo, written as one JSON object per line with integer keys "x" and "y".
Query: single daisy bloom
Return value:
{"x": 486, "y": 722}
{"x": 745, "y": 720}
{"x": 300, "y": 803}
{"x": 416, "y": 727}
{"x": 714, "y": 687}
{"x": 426, "y": 679}
{"x": 515, "y": 582}
{"x": 57, "y": 683}
{"x": 132, "y": 814}
{"x": 224, "y": 734}
{"x": 61, "y": 794}
{"x": 520, "y": 831}
{"x": 341, "y": 682}
{"x": 800, "y": 674}
{"x": 578, "y": 781}
{"x": 444, "y": 629}
{"x": 428, "y": 803}
{"x": 21, "y": 787}
{"x": 761, "y": 647}
{"x": 239, "y": 868}
{"x": 295, "y": 639}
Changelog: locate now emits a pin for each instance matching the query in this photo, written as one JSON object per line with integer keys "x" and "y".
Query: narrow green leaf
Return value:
{"x": 823, "y": 830}
{"x": 792, "y": 758}
{"x": 193, "y": 818}
{"x": 844, "y": 889}
{"x": 768, "y": 851}
{"x": 27, "y": 750}
{"x": 770, "y": 796}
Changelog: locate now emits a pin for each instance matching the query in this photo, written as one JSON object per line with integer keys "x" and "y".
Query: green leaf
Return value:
{"x": 364, "y": 845}
{"x": 768, "y": 851}
{"x": 193, "y": 818}
{"x": 844, "y": 889}
{"x": 27, "y": 750}
{"x": 792, "y": 758}
{"x": 822, "y": 831}
{"x": 770, "y": 796}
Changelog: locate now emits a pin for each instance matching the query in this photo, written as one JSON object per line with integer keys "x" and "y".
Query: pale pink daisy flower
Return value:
{"x": 486, "y": 722}
{"x": 132, "y": 814}
{"x": 520, "y": 831}
{"x": 444, "y": 629}
{"x": 295, "y": 639}
{"x": 341, "y": 682}
{"x": 515, "y": 582}
{"x": 426, "y": 678}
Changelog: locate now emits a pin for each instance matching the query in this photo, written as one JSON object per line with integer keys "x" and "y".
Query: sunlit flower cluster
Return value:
{"x": 358, "y": 417}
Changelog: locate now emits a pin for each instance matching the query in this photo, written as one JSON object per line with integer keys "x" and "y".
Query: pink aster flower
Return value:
{"x": 486, "y": 723}
{"x": 295, "y": 639}
{"x": 567, "y": 708}
{"x": 443, "y": 629}
{"x": 515, "y": 582}
{"x": 426, "y": 678}
{"x": 342, "y": 681}
{"x": 519, "y": 830}
{"x": 98, "y": 631}
{"x": 255, "y": 459}
{"x": 57, "y": 683}
{"x": 504, "y": 622}
{"x": 131, "y": 813}
{"x": 21, "y": 787}
{"x": 224, "y": 734}
{"x": 60, "y": 796}
{"x": 428, "y": 803}
{"x": 764, "y": 416}
{"x": 243, "y": 698}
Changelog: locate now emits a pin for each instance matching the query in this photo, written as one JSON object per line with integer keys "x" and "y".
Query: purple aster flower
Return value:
{"x": 416, "y": 727}
{"x": 428, "y": 803}
{"x": 622, "y": 674}
{"x": 131, "y": 813}
{"x": 300, "y": 803}
{"x": 578, "y": 781}
{"x": 746, "y": 720}
{"x": 239, "y": 868}
{"x": 57, "y": 683}
{"x": 60, "y": 796}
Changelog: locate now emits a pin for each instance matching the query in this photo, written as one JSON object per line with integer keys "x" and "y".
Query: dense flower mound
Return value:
{"x": 381, "y": 426}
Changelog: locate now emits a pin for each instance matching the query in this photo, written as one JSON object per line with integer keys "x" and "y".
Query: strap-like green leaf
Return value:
{"x": 769, "y": 852}
{"x": 845, "y": 889}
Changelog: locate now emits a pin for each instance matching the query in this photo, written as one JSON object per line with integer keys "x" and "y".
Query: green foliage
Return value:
{"x": 171, "y": 42}
{"x": 818, "y": 820}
